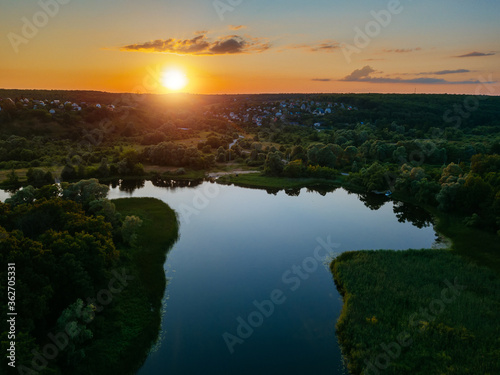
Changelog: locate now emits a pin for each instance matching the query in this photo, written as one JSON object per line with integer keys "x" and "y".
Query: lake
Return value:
{"x": 249, "y": 288}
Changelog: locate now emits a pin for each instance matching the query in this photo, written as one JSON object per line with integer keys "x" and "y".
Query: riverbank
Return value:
{"x": 130, "y": 325}
{"x": 417, "y": 312}
{"x": 261, "y": 181}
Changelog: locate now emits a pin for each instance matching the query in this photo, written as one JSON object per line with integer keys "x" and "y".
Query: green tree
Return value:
{"x": 129, "y": 229}
{"x": 73, "y": 321}
{"x": 273, "y": 165}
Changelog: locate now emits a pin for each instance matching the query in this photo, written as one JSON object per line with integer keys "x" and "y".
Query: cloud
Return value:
{"x": 239, "y": 27}
{"x": 403, "y": 50}
{"x": 476, "y": 54}
{"x": 360, "y": 74}
{"x": 321, "y": 79}
{"x": 363, "y": 75}
{"x": 323, "y": 46}
{"x": 444, "y": 72}
{"x": 201, "y": 45}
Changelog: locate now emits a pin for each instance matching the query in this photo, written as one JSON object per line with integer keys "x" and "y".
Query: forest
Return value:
{"x": 69, "y": 243}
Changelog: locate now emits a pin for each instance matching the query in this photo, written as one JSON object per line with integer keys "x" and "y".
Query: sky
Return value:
{"x": 252, "y": 46}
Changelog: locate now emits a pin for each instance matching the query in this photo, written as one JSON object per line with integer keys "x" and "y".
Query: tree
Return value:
{"x": 294, "y": 169}
{"x": 273, "y": 165}
{"x": 25, "y": 195}
{"x": 85, "y": 191}
{"x": 103, "y": 170}
{"x": 326, "y": 158}
{"x": 350, "y": 154}
{"x": 400, "y": 155}
{"x": 73, "y": 322}
{"x": 69, "y": 173}
{"x": 12, "y": 179}
{"x": 38, "y": 177}
{"x": 129, "y": 229}
{"x": 451, "y": 173}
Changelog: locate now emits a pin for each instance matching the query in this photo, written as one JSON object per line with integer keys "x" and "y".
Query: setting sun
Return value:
{"x": 174, "y": 80}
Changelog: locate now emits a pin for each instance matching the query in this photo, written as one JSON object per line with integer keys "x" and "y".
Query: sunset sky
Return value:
{"x": 252, "y": 46}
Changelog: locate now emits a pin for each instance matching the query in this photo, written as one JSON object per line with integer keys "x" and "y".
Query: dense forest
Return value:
{"x": 69, "y": 243}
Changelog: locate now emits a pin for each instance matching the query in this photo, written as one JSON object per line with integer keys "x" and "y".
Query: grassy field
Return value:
{"x": 126, "y": 329}
{"x": 418, "y": 312}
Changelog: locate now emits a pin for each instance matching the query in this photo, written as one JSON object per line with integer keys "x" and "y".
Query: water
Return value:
{"x": 239, "y": 247}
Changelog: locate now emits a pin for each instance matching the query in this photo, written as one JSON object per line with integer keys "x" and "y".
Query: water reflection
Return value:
{"x": 410, "y": 213}
{"x": 373, "y": 201}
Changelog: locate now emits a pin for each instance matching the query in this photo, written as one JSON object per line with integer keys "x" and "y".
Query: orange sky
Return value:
{"x": 258, "y": 46}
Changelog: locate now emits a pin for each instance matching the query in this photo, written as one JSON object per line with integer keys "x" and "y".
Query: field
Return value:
{"x": 418, "y": 312}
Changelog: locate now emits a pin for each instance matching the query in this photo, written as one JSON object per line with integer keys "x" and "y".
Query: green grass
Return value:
{"x": 126, "y": 329}
{"x": 383, "y": 289}
{"x": 258, "y": 180}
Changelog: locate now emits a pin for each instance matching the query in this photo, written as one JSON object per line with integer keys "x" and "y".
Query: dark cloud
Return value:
{"x": 476, "y": 54}
{"x": 363, "y": 75}
{"x": 202, "y": 45}
{"x": 403, "y": 50}
{"x": 444, "y": 72}
{"x": 321, "y": 79}
{"x": 360, "y": 74}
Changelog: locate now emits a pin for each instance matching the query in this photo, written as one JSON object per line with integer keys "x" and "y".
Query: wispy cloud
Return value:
{"x": 402, "y": 50}
{"x": 476, "y": 54}
{"x": 445, "y": 72}
{"x": 364, "y": 75}
{"x": 322, "y": 46}
{"x": 239, "y": 27}
{"x": 201, "y": 45}
{"x": 321, "y": 79}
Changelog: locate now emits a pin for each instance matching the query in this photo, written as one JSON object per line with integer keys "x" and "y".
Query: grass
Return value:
{"x": 126, "y": 329}
{"x": 382, "y": 290}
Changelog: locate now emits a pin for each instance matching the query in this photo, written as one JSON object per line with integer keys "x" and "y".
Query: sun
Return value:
{"x": 174, "y": 80}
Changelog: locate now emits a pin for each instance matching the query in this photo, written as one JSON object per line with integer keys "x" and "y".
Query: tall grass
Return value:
{"x": 399, "y": 316}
